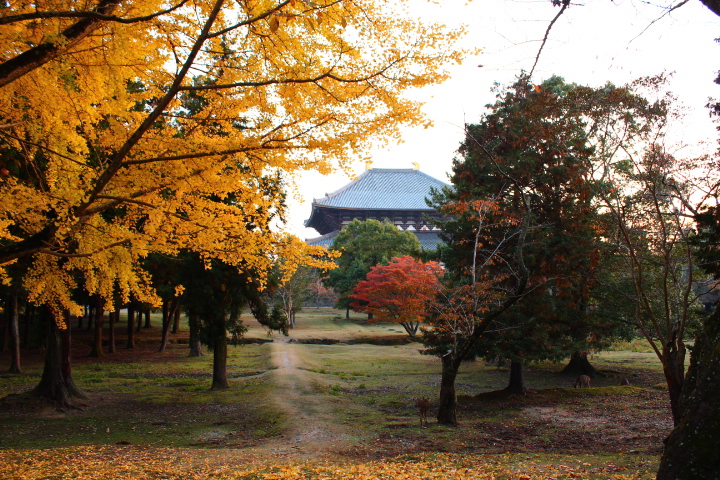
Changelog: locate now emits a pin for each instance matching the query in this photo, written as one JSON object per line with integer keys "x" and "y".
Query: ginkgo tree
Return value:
{"x": 103, "y": 161}
{"x": 399, "y": 292}
{"x": 123, "y": 122}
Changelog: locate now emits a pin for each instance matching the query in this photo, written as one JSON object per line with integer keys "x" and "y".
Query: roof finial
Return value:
{"x": 416, "y": 166}
{"x": 368, "y": 165}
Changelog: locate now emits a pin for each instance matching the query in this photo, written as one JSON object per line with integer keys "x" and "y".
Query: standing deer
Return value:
{"x": 423, "y": 405}
{"x": 582, "y": 381}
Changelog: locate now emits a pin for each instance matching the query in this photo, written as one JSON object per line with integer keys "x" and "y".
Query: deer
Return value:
{"x": 423, "y": 405}
{"x": 582, "y": 381}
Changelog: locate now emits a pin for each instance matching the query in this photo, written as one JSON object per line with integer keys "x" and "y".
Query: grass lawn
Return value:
{"x": 153, "y": 412}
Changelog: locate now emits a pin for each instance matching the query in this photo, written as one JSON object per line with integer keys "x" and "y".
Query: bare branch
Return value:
{"x": 565, "y": 5}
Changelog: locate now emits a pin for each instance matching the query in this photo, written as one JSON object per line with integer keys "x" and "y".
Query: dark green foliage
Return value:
{"x": 533, "y": 143}
{"x": 217, "y": 293}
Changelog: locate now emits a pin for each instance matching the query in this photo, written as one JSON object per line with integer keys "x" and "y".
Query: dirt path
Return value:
{"x": 312, "y": 428}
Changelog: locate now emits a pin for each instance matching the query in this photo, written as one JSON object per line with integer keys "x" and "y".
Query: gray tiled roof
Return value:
{"x": 384, "y": 188}
{"x": 323, "y": 241}
{"x": 429, "y": 239}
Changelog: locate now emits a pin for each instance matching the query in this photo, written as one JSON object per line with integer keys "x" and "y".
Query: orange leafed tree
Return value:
{"x": 399, "y": 292}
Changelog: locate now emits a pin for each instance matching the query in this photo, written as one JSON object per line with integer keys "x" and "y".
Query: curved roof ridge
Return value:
{"x": 384, "y": 188}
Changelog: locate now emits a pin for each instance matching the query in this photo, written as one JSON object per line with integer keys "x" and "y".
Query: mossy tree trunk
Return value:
{"x": 691, "y": 450}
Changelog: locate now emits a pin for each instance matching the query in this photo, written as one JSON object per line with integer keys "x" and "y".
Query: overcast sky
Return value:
{"x": 591, "y": 43}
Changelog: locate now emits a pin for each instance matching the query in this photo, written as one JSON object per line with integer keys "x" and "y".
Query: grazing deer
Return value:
{"x": 582, "y": 381}
{"x": 423, "y": 405}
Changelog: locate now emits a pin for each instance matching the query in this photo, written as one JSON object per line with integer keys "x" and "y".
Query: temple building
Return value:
{"x": 395, "y": 194}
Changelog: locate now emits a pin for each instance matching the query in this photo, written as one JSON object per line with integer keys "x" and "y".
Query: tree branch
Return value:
{"x": 565, "y": 5}
{"x": 38, "y": 56}
{"x": 93, "y": 15}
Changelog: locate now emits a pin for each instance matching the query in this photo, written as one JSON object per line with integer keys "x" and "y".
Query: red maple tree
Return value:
{"x": 399, "y": 292}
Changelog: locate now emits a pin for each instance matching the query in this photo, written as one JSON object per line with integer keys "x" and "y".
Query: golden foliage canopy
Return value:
{"x": 131, "y": 127}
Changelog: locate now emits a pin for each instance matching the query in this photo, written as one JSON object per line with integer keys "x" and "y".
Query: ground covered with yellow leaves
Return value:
{"x": 106, "y": 462}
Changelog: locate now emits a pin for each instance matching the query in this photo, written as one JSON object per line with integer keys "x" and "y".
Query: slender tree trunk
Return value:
{"x": 138, "y": 320}
{"x": 148, "y": 323}
{"x": 29, "y": 318}
{"x": 691, "y": 450}
{"x": 14, "y": 333}
{"x": 113, "y": 317}
{"x": 97, "y": 349}
{"x": 130, "y": 327}
{"x": 80, "y": 319}
{"x": 176, "y": 320}
{"x": 5, "y": 344}
{"x": 91, "y": 317}
{"x": 347, "y": 312}
{"x": 57, "y": 383}
{"x": 580, "y": 365}
{"x": 517, "y": 381}
{"x": 219, "y": 381}
{"x": 195, "y": 345}
{"x": 168, "y": 314}
{"x": 447, "y": 410}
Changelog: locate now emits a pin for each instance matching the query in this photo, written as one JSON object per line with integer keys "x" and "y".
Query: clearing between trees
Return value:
{"x": 298, "y": 408}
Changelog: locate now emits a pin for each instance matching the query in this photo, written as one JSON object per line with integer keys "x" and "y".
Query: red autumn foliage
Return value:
{"x": 399, "y": 292}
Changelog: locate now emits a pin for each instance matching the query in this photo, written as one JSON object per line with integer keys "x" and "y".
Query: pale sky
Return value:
{"x": 591, "y": 43}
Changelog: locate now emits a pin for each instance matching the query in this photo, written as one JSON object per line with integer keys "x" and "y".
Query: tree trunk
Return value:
{"x": 90, "y": 318}
{"x": 411, "y": 328}
{"x": 347, "y": 312}
{"x": 139, "y": 320}
{"x": 148, "y": 322}
{"x": 14, "y": 333}
{"x": 29, "y": 318}
{"x": 168, "y": 315}
{"x": 691, "y": 450}
{"x": 130, "y": 327}
{"x": 447, "y": 411}
{"x": 219, "y": 381}
{"x": 580, "y": 365}
{"x": 97, "y": 349}
{"x": 176, "y": 321}
{"x": 195, "y": 345}
{"x": 57, "y": 383}
{"x": 5, "y": 327}
{"x": 113, "y": 317}
{"x": 517, "y": 381}
{"x": 81, "y": 318}
{"x": 673, "y": 360}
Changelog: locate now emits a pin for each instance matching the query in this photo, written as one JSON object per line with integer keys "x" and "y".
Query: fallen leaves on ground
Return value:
{"x": 138, "y": 463}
